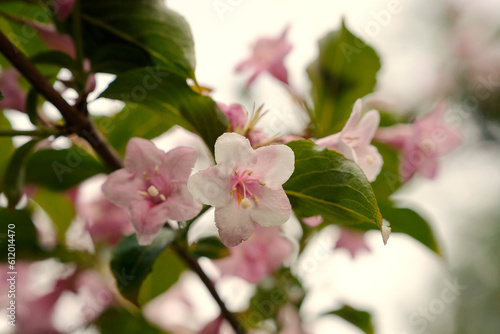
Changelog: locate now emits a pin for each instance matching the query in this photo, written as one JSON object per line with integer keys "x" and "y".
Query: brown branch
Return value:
{"x": 76, "y": 122}
{"x": 195, "y": 266}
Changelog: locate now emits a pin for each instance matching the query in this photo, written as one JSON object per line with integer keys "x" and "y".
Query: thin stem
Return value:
{"x": 77, "y": 32}
{"x": 75, "y": 121}
{"x": 32, "y": 133}
{"x": 194, "y": 265}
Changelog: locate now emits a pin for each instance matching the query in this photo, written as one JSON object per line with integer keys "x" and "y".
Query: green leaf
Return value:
{"x": 146, "y": 25}
{"x": 407, "y": 221}
{"x": 360, "y": 319}
{"x": 389, "y": 180}
{"x": 327, "y": 184}
{"x": 31, "y": 106}
{"x": 61, "y": 169}
{"x": 56, "y": 58}
{"x": 59, "y": 208}
{"x": 15, "y": 174}
{"x": 6, "y": 149}
{"x": 210, "y": 247}
{"x": 132, "y": 263}
{"x": 166, "y": 271}
{"x": 25, "y": 235}
{"x": 116, "y": 320}
{"x": 344, "y": 71}
{"x": 171, "y": 97}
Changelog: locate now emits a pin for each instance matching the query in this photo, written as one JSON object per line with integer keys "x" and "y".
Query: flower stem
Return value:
{"x": 33, "y": 133}
{"x": 195, "y": 266}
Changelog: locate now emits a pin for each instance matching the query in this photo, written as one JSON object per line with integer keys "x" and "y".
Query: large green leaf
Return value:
{"x": 210, "y": 247}
{"x": 327, "y": 184}
{"x": 61, "y": 169}
{"x": 6, "y": 148}
{"x": 166, "y": 271}
{"x": 171, "y": 97}
{"x": 141, "y": 26}
{"x": 15, "y": 173}
{"x": 407, "y": 221}
{"x": 344, "y": 71}
{"x": 116, "y": 320}
{"x": 360, "y": 319}
{"x": 132, "y": 263}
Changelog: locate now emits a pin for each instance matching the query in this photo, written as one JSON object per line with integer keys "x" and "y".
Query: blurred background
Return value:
{"x": 429, "y": 51}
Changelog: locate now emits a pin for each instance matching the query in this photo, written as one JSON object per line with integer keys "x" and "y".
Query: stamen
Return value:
{"x": 255, "y": 198}
{"x": 235, "y": 172}
{"x": 153, "y": 191}
{"x": 162, "y": 197}
{"x": 232, "y": 192}
{"x": 369, "y": 159}
{"x": 245, "y": 203}
{"x": 250, "y": 172}
{"x": 156, "y": 169}
{"x": 261, "y": 183}
{"x": 143, "y": 193}
{"x": 146, "y": 177}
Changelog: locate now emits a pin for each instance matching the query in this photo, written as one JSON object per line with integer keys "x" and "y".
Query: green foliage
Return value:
{"x": 210, "y": 247}
{"x": 360, "y": 319}
{"x": 6, "y": 149}
{"x": 344, "y": 71}
{"x": 327, "y": 184}
{"x": 171, "y": 97}
{"x": 59, "y": 208}
{"x": 61, "y": 169}
{"x": 141, "y": 32}
{"x": 166, "y": 271}
{"x": 131, "y": 263}
{"x": 15, "y": 173}
{"x": 32, "y": 105}
{"x": 116, "y": 320}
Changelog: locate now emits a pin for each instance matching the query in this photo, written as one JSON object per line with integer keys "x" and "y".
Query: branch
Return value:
{"x": 76, "y": 122}
{"x": 31, "y": 133}
{"x": 194, "y": 265}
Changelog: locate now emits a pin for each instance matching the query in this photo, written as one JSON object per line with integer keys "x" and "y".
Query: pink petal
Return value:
{"x": 147, "y": 221}
{"x": 313, "y": 221}
{"x": 351, "y": 240}
{"x": 210, "y": 186}
{"x": 334, "y": 142}
{"x": 279, "y": 71}
{"x": 236, "y": 115}
{"x": 13, "y": 96}
{"x": 142, "y": 155}
{"x": 274, "y": 164}
{"x": 178, "y": 163}
{"x": 180, "y": 205}
{"x": 212, "y": 327}
{"x": 367, "y": 127}
{"x": 354, "y": 117}
{"x": 429, "y": 168}
{"x": 63, "y": 8}
{"x": 54, "y": 39}
{"x": 234, "y": 223}
{"x": 232, "y": 149}
{"x": 121, "y": 187}
{"x": 273, "y": 207}
{"x": 395, "y": 136}
{"x": 370, "y": 161}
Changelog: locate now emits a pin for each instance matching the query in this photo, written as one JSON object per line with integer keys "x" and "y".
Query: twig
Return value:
{"x": 76, "y": 122}
{"x": 194, "y": 265}
{"x": 32, "y": 133}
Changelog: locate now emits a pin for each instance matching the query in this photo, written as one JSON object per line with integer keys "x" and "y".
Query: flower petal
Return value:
{"x": 232, "y": 149}
{"x": 121, "y": 187}
{"x": 178, "y": 163}
{"x": 334, "y": 142}
{"x": 234, "y": 223}
{"x": 367, "y": 127}
{"x": 354, "y": 117}
{"x": 273, "y": 207}
{"x": 274, "y": 164}
{"x": 395, "y": 136}
{"x": 181, "y": 205}
{"x": 142, "y": 155}
{"x": 370, "y": 161}
{"x": 210, "y": 186}
{"x": 147, "y": 221}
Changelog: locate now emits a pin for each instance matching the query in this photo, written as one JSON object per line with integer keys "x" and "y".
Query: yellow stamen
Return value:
{"x": 235, "y": 172}
{"x": 143, "y": 193}
{"x": 369, "y": 159}
{"x": 255, "y": 198}
{"x": 146, "y": 177}
{"x": 261, "y": 183}
{"x": 153, "y": 191}
{"x": 156, "y": 169}
{"x": 250, "y": 172}
{"x": 245, "y": 203}
{"x": 162, "y": 197}
{"x": 232, "y": 192}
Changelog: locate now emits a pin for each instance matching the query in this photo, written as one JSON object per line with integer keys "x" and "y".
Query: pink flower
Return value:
{"x": 264, "y": 252}
{"x": 351, "y": 240}
{"x": 245, "y": 187}
{"x": 268, "y": 55}
{"x": 105, "y": 221}
{"x": 63, "y": 8}
{"x": 421, "y": 143}
{"x": 239, "y": 122}
{"x": 54, "y": 39}
{"x": 13, "y": 96}
{"x": 313, "y": 221}
{"x": 354, "y": 141}
{"x": 152, "y": 187}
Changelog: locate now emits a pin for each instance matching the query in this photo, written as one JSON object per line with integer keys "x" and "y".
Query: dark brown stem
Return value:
{"x": 76, "y": 122}
{"x": 195, "y": 266}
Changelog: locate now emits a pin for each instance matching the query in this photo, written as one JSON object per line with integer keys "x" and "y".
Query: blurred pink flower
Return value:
{"x": 54, "y": 39}
{"x": 264, "y": 252}
{"x": 13, "y": 96}
{"x": 105, "y": 221}
{"x": 313, "y": 221}
{"x": 96, "y": 296}
{"x": 354, "y": 141}
{"x": 245, "y": 187}
{"x": 63, "y": 8}
{"x": 239, "y": 122}
{"x": 152, "y": 187}
{"x": 352, "y": 240}
{"x": 421, "y": 143}
{"x": 268, "y": 55}
{"x": 289, "y": 318}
